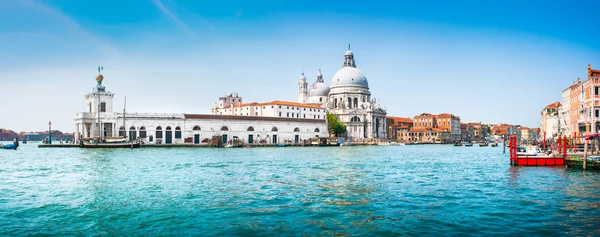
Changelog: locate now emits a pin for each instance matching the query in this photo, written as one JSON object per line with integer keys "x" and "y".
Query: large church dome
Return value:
{"x": 349, "y": 76}
{"x": 318, "y": 89}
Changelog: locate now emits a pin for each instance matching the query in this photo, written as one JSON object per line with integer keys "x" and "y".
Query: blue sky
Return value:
{"x": 488, "y": 61}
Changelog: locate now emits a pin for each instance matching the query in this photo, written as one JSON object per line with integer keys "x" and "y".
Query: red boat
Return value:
{"x": 536, "y": 158}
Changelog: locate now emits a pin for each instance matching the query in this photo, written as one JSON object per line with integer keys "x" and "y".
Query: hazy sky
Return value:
{"x": 488, "y": 61}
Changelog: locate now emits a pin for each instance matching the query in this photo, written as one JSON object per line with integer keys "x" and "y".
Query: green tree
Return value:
{"x": 334, "y": 126}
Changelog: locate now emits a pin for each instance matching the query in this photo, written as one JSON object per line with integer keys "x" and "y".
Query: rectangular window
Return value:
{"x": 279, "y": 114}
{"x": 288, "y": 115}
{"x": 596, "y": 90}
{"x": 103, "y": 106}
{"x": 177, "y": 134}
{"x": 597, "y": 113}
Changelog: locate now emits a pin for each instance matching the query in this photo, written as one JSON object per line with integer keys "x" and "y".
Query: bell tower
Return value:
{"x": 302, "y": 89}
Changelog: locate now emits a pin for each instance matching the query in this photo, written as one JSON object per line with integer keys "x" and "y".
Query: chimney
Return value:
{"x": 578, "y": 80}
{"x": 589, "y": 70}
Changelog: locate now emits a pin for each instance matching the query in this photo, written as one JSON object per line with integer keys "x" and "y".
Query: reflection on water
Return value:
{"x": 342, "y": 191}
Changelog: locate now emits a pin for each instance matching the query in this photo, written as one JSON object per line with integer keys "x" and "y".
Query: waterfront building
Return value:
{"x": 590, "y": 103}
{"x": 232, "y": 105}
{"x": 349, "y": 99}
{"x": 527, "y": 135}
{"x": 434, "y": 128}
{"x": 550, "y": 121}
{"x": 503, "y": 129}
{"x": 398, "y": 127}
{"x": 7, "y": 135}
{"x": 102, "y": 120}
{"x": 565, "y": 110}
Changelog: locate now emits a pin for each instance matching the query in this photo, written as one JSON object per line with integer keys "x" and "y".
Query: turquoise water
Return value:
{"x": 376, "y": 191}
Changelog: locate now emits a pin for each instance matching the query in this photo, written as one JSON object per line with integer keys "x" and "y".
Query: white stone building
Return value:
{"x": 102, "y": 120}
{"x": 349, "y": 99}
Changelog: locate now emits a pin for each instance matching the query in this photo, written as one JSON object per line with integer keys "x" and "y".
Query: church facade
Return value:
{"x": 349, "y": 99}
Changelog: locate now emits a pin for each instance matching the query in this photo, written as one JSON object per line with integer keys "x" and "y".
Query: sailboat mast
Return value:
{"x": 124, "y": 105}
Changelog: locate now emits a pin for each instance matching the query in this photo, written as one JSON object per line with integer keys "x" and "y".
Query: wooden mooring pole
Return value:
{"x": 585, "y": 145}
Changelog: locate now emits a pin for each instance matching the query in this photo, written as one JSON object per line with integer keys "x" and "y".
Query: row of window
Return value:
{"x": 293, "y": 115}
{"x": 197, "y": 128}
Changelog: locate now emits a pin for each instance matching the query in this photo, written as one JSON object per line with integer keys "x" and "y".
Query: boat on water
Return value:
{"x": 396, "y": 144}
{"x": 9, "y": 146}
{"x": 495, "y": 144}
{"x": 118, "y": 142}
{"x": 483, "y": 144}
{"x": 469, "y": 144}
{"x": 458, "y": 144}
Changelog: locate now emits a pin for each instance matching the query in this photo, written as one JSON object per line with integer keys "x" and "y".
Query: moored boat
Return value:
{"x": 483, "y": 144}
{"x": 12, "y": 146}
{"x": 469, "y": 144}
{"x": 495, "y": 144}
{"x": 458, "y": 144}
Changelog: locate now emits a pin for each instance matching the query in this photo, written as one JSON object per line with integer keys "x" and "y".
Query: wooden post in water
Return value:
{"x": 584, "y": 153}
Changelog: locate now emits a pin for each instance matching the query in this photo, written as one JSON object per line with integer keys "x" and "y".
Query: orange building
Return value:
{"x": 398, "y": 126}
{"x": 430, "y": 128}
{"x": 591, "y": 102}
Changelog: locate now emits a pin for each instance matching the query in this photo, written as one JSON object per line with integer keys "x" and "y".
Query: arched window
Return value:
{"x": 132, "y": 133}
{"x": 355, "y": 119}
{"x": 121, "y": 131}
{"x": 143, "y": 132}
{"x": 177, "y": 132}
{"x": 317, "y": 130}
{"x": 224, "y": 128}
{"x": 349, "y": 102}
{"x": 296, "y": 130}
{"x": 274, "y": 129}
{"x": 250, "y": 129}
{"x": 336, "y": 103}
{"x": 196, "y": 128}
{"x": 169, "y": 128}
{"x": 159, "y": 132}
{"x": 355, "y": 102}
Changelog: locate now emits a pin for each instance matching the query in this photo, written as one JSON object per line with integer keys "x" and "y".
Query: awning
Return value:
{"x": 591, "y": 136}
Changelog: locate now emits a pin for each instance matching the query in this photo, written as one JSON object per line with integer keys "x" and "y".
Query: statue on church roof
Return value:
{"x": 99, "y": 77}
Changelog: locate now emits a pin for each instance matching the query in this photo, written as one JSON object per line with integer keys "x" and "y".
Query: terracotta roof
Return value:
{"x": 553, "y": 105}
{"x": 251, "y": 118}
{"x": 275, "y": 102}
{"x": 400, "y": 119}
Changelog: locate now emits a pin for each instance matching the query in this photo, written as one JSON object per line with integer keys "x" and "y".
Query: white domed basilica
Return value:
{"x": 349, "y": 99}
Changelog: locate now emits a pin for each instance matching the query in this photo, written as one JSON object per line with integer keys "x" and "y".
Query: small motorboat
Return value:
{"x": 12, "y": 146}
{"x": 458, "y": 144}
{"x": 396, "y": 144}
{"x": 483, "y": 144}
{"x": 495, "y": 144}
{"x": 469, "y": 144}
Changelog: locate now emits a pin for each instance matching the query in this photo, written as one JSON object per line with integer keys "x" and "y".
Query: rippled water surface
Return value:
{"x": 396, "y": 190}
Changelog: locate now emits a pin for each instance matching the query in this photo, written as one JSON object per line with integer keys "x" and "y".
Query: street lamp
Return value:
{"x": 49, "y": 132}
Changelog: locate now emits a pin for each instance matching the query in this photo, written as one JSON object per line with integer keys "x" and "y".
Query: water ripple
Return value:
{"x": 342, "y": 191}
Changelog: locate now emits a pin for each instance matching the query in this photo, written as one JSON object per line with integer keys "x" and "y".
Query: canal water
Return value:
{"x": 376, "y": 191}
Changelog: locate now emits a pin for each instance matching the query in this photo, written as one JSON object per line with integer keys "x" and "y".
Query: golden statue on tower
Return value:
{"x": 99, "y": 78}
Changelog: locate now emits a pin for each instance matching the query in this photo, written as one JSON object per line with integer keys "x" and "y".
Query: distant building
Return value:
{"x": 397, "y": 127}
{"x": 7, "y": 135}
{"x": 550, "y": 121}
{"x": 434, "y": 128}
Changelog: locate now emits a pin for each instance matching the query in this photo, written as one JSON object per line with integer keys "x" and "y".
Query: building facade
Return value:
{"x": 551, "y": 123}
{"x": 398, "y": 127}
{"x": 349, "y": 99}
{"x": 430, "y": 128}
{"x": 233, "y": 121}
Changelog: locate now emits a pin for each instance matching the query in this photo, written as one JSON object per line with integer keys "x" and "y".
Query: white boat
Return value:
{"x": 530, "y": 150}
{"x": 396, "y": 144}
